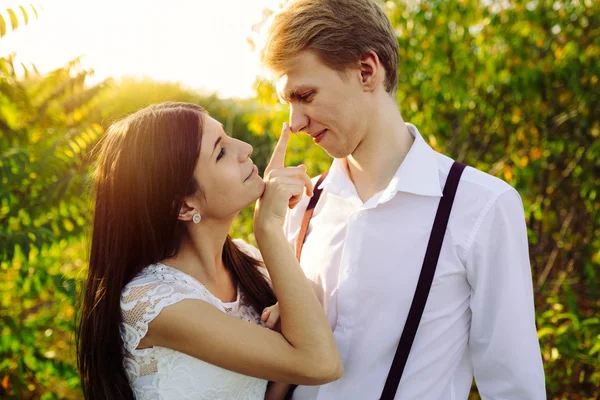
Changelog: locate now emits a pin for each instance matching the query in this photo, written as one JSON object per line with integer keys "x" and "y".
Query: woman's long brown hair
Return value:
{"x": 144, "y": 171}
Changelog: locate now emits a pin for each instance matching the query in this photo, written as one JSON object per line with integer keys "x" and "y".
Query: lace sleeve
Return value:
{"x": 145, "y": 297}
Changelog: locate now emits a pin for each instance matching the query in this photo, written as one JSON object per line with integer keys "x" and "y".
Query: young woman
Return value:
{"x": 172, "y": 304}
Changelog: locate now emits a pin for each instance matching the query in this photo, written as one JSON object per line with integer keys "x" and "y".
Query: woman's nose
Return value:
{"x": 245, "y": 151}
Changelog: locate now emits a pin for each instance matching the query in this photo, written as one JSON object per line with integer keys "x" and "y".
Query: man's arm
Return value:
{"x": 503, "y": 339}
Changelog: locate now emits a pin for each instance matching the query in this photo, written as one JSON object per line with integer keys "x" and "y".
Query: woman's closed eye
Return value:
{"x": 221, "y": 153}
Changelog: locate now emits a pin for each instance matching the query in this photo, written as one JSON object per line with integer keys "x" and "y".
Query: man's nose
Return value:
{"x": 298, "y": 119}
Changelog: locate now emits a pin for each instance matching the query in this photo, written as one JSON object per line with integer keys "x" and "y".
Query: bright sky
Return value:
{"x": 200, "y": 43}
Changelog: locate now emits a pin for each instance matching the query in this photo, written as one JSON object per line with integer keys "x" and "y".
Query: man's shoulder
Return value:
{"x": 478, "y": 196}
{"x": 474, "y": 183}
{"x": 315, "y": 179}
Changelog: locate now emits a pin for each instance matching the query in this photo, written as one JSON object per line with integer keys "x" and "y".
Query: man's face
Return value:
{"x": 324, "y": 103}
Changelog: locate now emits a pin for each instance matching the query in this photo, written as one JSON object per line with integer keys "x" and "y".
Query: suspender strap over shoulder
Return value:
{"x": 308, "y": 215}
{"x": 424, "y": 284}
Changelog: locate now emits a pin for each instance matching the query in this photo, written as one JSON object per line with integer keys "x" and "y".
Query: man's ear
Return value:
{"x": 186, "y": 211}
{"x": 371, "y": 71}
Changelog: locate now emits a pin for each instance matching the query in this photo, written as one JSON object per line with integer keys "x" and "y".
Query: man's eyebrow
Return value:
{"x": 292, "y": 94}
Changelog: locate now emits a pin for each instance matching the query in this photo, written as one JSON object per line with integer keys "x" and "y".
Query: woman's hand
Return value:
{"x": 283, "y": 187}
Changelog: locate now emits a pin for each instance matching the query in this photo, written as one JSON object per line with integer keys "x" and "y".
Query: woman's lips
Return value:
{"x": 254, "y": 171}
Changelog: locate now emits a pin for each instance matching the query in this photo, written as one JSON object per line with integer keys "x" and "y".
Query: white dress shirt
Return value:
{"x": 479, "y": 320}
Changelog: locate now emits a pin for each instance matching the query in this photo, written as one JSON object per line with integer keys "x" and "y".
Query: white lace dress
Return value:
{"x": 160, "y": 373}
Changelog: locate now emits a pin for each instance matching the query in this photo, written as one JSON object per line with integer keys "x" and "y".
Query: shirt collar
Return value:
{"x": 418, "y": 174}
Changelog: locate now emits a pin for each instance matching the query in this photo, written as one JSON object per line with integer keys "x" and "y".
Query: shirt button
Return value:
{"x": 360, "y": 216}
{"x": 350, "y": 271}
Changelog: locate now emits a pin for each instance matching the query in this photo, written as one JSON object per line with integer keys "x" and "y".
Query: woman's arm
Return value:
{"x": 304, "y": 324}
{"x": 196, "y": 328}
{"x": 305, "y": 351}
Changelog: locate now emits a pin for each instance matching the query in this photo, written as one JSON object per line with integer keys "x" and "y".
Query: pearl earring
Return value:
{"x": 196, "y": 218}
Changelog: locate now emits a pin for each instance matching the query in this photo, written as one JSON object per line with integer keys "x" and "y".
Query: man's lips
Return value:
{"x": 316, "y": 134}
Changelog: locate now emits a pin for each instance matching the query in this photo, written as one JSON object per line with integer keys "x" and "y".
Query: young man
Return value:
{"x": 336, "y": 63}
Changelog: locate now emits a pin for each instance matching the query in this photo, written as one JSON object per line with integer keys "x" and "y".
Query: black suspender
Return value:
{"x": 425, "y": 278}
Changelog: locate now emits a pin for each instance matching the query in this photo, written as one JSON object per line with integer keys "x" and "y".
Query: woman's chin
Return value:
{"x": 257, "y": 192}
{"x": 260, "y": 187}
{"x": 252, "y": 193}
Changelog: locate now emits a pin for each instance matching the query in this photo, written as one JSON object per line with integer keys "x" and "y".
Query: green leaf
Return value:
{"x": 591, "y": 321}
{"x": 14, "y": 21}
{"x": 544, "y": 332}
{"x": 23, "y": 240}
{"x": 25, "y": 71}
{"x": 595, "y": 349}
{"x": 34, "y": 11}
{"x": 9, "y": 322}
{"x": 10, "y": 248}
{"x": 30, "y": 361}
{"x": 25, "y": 16}
{"x": 2, "y": 26}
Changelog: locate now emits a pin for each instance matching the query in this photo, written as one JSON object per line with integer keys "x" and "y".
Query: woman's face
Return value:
{"x": 227, "y": 177}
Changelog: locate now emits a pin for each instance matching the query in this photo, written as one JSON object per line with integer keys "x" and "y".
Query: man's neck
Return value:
{"x": 374, "y": 162}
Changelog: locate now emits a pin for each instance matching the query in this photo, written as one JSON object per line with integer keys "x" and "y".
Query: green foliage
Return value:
{"x": 47, "y": 130}
{"x": 37, "y": 312}
{"x": 508, "y": 87}
{"x": 571, "y": 349}
{"x": 24, "y": 11}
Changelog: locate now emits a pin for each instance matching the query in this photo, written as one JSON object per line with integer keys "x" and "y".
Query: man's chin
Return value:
{"x": 335, "y": 153}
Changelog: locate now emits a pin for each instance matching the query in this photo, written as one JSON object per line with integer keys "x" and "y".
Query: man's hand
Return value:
{"x": 270, "y": 317}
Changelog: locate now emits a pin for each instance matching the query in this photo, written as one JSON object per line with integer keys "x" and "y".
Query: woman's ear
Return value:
{"x": 187, "y": 211}
{"x": 371, "y": 71}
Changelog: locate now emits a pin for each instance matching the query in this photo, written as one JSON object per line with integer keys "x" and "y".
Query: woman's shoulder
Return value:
{"x": 155, "y": 287}
{"x": 148, "y": 279}
{"x": 159, "y": 280}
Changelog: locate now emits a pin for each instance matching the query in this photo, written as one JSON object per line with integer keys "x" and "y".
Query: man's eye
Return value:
{"x": 305, "y": 97}
{"x": 221, "y": 153}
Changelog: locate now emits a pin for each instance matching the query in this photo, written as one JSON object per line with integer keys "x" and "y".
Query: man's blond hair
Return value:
{"x": 339, "y": 31}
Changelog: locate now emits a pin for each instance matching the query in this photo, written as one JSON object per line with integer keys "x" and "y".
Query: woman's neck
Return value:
{"x": 201, "y": 253}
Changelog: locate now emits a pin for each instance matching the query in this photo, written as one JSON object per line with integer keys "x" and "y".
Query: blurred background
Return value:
{"x": 509, "y": 87}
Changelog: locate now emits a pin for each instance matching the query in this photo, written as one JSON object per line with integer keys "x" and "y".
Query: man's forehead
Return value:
{"x": 282, "y": 83}
{"x": 296, "y": 73}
